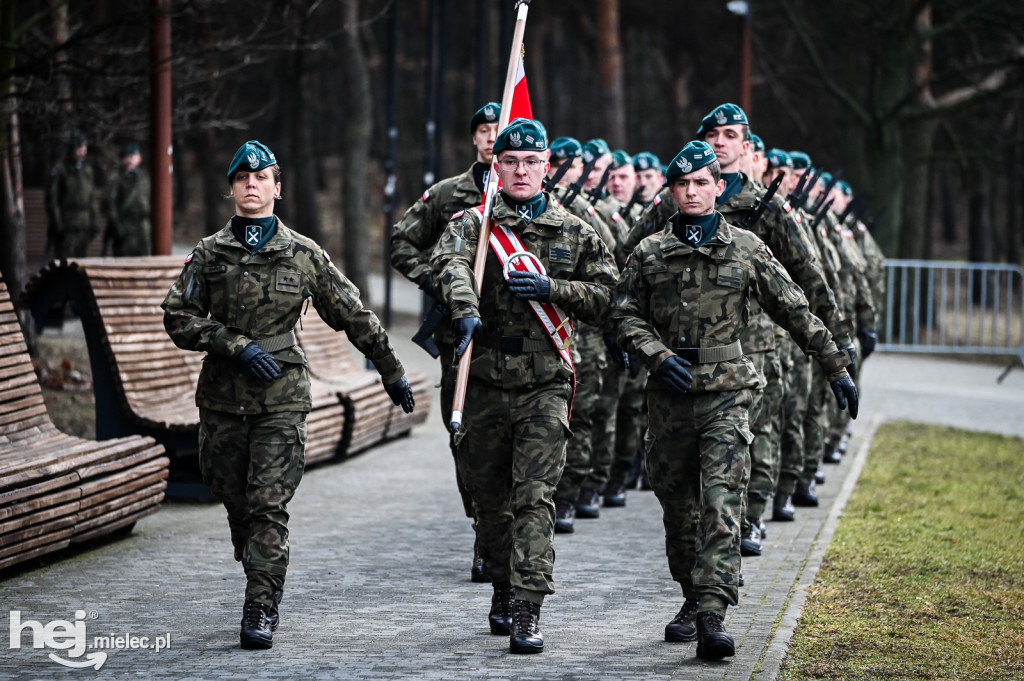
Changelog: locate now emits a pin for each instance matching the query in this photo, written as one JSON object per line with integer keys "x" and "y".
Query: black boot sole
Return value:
{"x": 256, "y": 642}
{"x": 525, "y": 648}
{"x": 675, "y": 637}
{"x": 716, "y": 650}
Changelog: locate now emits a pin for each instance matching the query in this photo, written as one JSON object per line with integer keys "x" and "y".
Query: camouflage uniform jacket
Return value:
{"x": 672, "y": 295}
{"x": 226, "y": 298}
{"x": 582, "y": 275}
{"x": 651, "y": 220}
{"x": 876, "y": 263}
{"x": 416, "y": 234}
{"x": 70, "y": 197}
{"x": 856, "y": 267}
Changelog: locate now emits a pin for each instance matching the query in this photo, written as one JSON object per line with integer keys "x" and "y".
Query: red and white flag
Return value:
{"x": 520, "y": 95}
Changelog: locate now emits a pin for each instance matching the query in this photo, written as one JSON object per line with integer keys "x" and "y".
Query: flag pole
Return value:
{"x": 462, "y": 378}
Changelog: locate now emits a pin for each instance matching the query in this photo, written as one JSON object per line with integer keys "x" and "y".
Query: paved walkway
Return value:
{"x": 379, "y": 585}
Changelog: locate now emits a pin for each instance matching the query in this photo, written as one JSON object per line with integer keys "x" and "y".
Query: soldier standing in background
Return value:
{"x": 520, "y": 379}
{"x": 238, "y": 299}
{"x": 128, "y": 223}
{"x": 412, "y": 242}
{"x": 71, "y": 202}
{"x": 680, "y": 306}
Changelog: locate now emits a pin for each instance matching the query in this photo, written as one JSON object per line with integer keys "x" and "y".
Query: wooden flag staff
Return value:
{"x": 462, "y": 378}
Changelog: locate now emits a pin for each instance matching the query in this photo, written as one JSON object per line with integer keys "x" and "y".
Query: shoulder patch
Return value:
{"x": 426, "y": 195}
{"x": 768, "y": 248}
{"x": 616, "y": 217}
{"x": 459, "y": 214}
{"x": 590, "y": 210}
{"x": 786, "y": 207}
{"x": 799, "y": 220}
{"x": 190, "y": 256}
{"x": 326, "y": 254}
{"x": 657, "y": 199}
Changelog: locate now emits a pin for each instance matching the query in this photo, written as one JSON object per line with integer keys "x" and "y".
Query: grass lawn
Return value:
{"x": 924, "y": 578}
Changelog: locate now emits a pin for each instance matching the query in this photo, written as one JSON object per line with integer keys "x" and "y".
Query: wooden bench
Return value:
{"x": 55, "y": 489}
{"x": 372, "y": 415}
{"x": 142, "y": 382}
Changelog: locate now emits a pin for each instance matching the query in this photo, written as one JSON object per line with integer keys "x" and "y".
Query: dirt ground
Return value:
{"x": 62, "y": 364}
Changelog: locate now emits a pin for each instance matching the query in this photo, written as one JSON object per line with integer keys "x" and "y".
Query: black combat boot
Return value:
{"x": 256, "y": 632}
{"x": 750, "y": 544}
{"x": 804, "y": 495}
{"x": 525, "y": 635}
{"x": 479, "y": 572}
{"x": 614, "y": 493}
{"x": 587, "y": 506}
{"x": 683, "y": 627}
{"x": 782, "y": 508}
{"x": 832, "y": 455}
{"x": 713, "y": 643}
{"x": 565, "y": 515}
{"x": 500, "y": 616}
{"x": 273, "y": 616}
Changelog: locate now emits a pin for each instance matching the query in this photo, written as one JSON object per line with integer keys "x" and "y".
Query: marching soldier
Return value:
{"x": 128, "y": 224}
{"x": 681, "y": 306}
{"x": 412, "y": 242}
{"x": 542, "y": 263}
{"x": 237, "y": 299}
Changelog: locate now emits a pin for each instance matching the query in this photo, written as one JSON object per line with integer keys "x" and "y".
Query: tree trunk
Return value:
{"x": 609, "y": 50}
{"x": 302, "y": 187}
{"x": 12, "y": 226}
{"x": 356, "y": 150}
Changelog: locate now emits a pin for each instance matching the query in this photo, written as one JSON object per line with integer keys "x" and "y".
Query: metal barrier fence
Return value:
{"x": 954, "y": 307}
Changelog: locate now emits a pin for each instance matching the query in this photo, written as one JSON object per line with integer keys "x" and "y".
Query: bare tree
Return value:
{"x": 609, "y": 50}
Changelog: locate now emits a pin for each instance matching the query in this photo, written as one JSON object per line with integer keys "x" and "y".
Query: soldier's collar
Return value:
{"x": 671, "y": 242}
{"x": 281, "y": 241}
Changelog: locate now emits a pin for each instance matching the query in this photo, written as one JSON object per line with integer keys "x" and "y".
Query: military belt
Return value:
{"x": 721, "y": 353}
{"x": 514, "y": 345}
{"x": 279, "y": 342}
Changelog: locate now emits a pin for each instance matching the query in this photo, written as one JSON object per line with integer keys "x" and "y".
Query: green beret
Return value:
{"x": 522, "y": 134}
{"x": 777, "y": 158}
{"x": 76, "y": 139}
{"x": 252, "y": 155}
{"x": 845, "y": 187}
{"x": 723, "y": 114}
{"x": 620, "y": 159}
{"x": 645, "y": 160}
{"x": 694, "y": 156}
{"x": 756, "y": 143}
{"x": 801, "y": 161}
{"x": 563, "y": 148}
{"x": 129, "y": 149}
{"x": 488, "y": 113}
{"x": 825, "y": 177}
{"x": 595, "y": 148}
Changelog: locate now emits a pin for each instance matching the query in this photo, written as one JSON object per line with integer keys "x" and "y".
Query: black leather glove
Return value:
{"x": 529, "y": 286}
{"x": 259, "y": 362}
{"x": 852, "y": 352}
{"x": 428, "y": 287}
{"x": 868, "y": 341}
{"x": 464, "y": 329}
{"x": 400, "y": 393}
{"x": 673, "y": 373}
{"x": 846, "y": 394}
{"x": 615, "y": 353}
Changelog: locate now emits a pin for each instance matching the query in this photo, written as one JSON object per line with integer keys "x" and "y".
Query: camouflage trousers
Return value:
{"x": 449, "y": 374}
{"x": 698, "y": 462}
{"x": 605, "y": 420}
{"x": 630, "y": 424}
{"x": 512, "y": 457}
{"x": 73, "y": 242}
{"x": 253, "y": 464}
{"x": 591, "y": 363}
{"x": 816, "y": 423}
{"x": 798, "y": 394}
{"x": 764, "y": 424}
